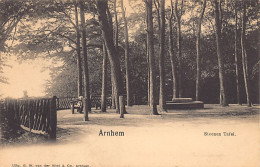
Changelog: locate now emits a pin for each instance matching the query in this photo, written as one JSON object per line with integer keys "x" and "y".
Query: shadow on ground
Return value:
{"x": 72, "y": 127}
{"x": 139, "y": 115}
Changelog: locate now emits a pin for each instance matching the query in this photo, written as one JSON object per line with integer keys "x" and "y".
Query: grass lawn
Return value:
{"x": 179, "y": 138}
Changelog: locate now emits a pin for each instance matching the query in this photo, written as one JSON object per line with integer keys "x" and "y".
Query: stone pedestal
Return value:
{"x": 184, "y": 103}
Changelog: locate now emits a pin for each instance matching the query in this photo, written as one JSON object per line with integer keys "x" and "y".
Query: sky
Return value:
{"x": 28, "y": 75}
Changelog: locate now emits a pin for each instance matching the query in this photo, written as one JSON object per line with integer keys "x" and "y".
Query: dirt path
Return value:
{"x": 172, "y": 139}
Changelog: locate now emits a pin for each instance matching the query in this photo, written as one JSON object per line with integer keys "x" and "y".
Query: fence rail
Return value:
{"x": 35, "y": 115}
{"x": 64, "y": 102}
{"x": 96, "y": 101}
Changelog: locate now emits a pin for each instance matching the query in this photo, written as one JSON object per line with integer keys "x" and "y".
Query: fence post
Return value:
{"x": 121, "y": 106}
{"x": 72, "y": 107}
{"x": 29, "y": 108}
{"x": 53, "y": 119}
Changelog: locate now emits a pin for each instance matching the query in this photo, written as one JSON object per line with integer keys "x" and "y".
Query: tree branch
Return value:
{"x": 70, "y": 20}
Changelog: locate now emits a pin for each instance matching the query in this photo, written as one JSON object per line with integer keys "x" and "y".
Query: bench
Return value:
{"x": 76, "y": 104}
{"x": 96, "y": 101}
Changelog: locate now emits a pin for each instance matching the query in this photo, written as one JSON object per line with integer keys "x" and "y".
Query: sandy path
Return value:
{"x": 172, "y": 139}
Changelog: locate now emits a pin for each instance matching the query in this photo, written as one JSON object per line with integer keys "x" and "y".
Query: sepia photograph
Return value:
{"x": 129, "y": 83}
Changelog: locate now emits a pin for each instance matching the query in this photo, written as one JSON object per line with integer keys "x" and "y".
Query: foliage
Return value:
{"x": 56, "y": 36}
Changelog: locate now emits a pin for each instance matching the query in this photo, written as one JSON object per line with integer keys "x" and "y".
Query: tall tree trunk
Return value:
{"x": 180, "y": 70}
{"x": 116, "y": 26}
{"x": 113, "y": 93}
{"x": 80, "y": 90}
{"x": 157, "y": 7}
{"x": 148, "y": 81}
{"x": 237, "y": 60}
{"x": 107, "y": 33}
{"x": 220, "y": 23}
{"x": 244, "y": 56}
{"x": 116, "y": 47}
{"x": 178, "y": 15}
{"x": 162, "y": 102}
{"x": 104, "y": 79}
{"x": 175, "y": 88}
{"x": 148, "y": 69}
{"x": 149, "y": 8}
{"x": 87, "y": 108}
{"x": 223, "y": 98}
{"x": 127, "y": 67}
{"x": 198, "y": 60}
{"x": 110, "y": 22}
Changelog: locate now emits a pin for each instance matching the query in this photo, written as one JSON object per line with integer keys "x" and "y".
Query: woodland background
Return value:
{"x": 48, "y": 29}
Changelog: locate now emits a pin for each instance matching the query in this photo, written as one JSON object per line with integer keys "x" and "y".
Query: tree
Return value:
{"x": 218, "y": 26}
{"x": 237, "y": 59}
{"x": 87, "y": 103}
{"x": 127, "y": 66}
{"x": 175, "y": 89}
{"x": 104, "y": 79}
{"x": 116, "y": 34}
{"x": 198, "y": 60}
{"x": 107, "y": 33}
{"x": 78, "y": 51}
{"x": 11, "y": 13}
{"x": 150, "y": 42}
{"x": 178, "y": 13}
{"x": 3, "y": 79}
{"x": 116, "y": 25}
{"x": 162, "y": 101}
{"x": 59, "y": 33}
{"x": 148, "y": 65}
{"x": 56, "y": 40}
{"x": 63, "y": 82}
{"x": 244, "y": 56}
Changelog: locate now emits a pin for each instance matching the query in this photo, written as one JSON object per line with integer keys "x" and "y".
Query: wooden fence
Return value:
{"x": 96, "y": 101}
{"x": 35, "y": 115}
{"x": 64, "y": 102}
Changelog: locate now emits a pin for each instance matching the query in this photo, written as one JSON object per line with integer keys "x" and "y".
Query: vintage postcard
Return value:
{"x": 129, "y": 83}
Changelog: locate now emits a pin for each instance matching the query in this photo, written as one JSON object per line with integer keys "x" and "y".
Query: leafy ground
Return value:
{"x": 173, "y": 139}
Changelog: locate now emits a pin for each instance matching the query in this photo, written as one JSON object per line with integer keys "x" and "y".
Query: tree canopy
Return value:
{"x": 33, "y": 29}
